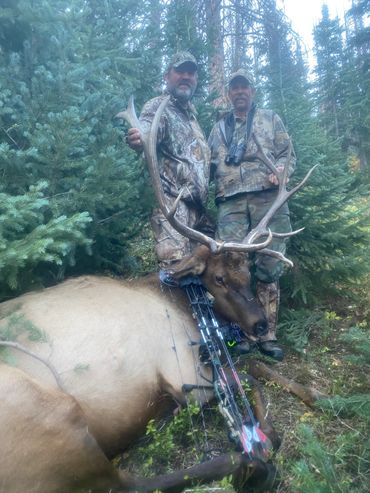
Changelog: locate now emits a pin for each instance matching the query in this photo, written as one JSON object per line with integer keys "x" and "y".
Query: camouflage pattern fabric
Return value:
{"x": 268, "y": 295}
{"x": 171, "y": 245}
{"x": 182, "y": 57}
{"x": 244, "y": 74}
{"x": 183, "y": 158}
{"x": 238, "y": 215}
{"x": 252, "y": 174}
{"x": 183, "y": 153}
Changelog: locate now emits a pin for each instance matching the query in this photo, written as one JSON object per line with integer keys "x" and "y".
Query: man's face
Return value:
{"x": 182, "y": 81}
{"x": 241, "y": 95}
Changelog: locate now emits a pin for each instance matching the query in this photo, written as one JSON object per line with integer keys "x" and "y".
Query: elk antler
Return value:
{"x": 282, "y": 196}
{"x": 130, "y": 116}
{"x": 149, "y": 141}
{"x": 150, "y": 151}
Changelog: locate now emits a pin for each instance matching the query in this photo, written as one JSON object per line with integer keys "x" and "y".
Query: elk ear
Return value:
{"x": 193, "y": 265}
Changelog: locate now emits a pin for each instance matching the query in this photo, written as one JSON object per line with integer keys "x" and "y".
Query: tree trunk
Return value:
{"x": 216, "y": 52}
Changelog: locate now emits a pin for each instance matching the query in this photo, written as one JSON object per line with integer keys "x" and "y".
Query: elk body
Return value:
{"x": 121, "y": 352}
{"x": 115, "y": 355}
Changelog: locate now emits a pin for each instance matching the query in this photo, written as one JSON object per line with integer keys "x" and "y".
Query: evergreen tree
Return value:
{"x": 216, "y": 57}
{"x": 330, "y": 252}
{"x": 29, "y": 238}
{"x": 60, "y": 86}
{"x": 66, "y": 71}
{"x": 356, "y": 109}
{"x": 328, "y": 50}
{"x": 184, "y": 30}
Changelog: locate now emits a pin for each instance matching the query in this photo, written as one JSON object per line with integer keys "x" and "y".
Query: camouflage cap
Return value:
{"x": 182, "y": 57}
{"x": 241, "y": 73}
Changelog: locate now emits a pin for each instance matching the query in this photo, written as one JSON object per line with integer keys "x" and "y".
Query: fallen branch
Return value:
{"x": 308, "y": 395}
{"x": 19, "y": 347}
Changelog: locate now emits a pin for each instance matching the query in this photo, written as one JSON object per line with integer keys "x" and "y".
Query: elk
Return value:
{"x": 232, "y": 279}
{"x": 110, "y": 356}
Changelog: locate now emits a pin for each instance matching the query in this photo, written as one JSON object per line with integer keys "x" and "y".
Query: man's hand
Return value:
{"x": 273, "y": 178}
{"x": 133, "y": 139}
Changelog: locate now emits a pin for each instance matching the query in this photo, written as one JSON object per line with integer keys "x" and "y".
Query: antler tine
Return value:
{"x": 150, "y": 152}
{"x": 278, "y": 255}
{"x": 287, "y": 235}
{"x": 283, "y": 195}
{"x": 151, "y": 157}
{"x": 282, "y": 177}
{"x": 130, "y": 115}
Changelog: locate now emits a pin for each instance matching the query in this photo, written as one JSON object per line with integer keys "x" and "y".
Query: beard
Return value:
{"x": 184, "y": 93}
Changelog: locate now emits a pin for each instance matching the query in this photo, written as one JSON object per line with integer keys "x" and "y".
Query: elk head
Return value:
{"x": 223, "y": 266}
{"x": 226, "y": 276}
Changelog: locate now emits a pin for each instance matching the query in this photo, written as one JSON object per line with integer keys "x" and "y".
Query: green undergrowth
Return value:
{"x": 178, "y": 441}
{"x": 325, "y": 449}
{"x": 165, "y": 440}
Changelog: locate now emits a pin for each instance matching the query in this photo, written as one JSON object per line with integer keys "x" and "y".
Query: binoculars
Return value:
{"x": 235, "y": 154}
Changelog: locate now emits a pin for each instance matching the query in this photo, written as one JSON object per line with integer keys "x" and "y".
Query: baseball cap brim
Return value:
{"x": 191, "y": 63}
{"x": 182, "y": 57}
{"x": 241, "y": 74}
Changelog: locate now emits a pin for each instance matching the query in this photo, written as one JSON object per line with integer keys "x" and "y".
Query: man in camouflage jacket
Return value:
{"x": 183, "y": 157}
{"x": 245, "y": 187}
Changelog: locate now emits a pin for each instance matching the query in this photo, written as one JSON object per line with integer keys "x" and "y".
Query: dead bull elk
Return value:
{"x": 118, "y": 349}
{"x": 109, "y": 352}
{"x": 231, "y": 280}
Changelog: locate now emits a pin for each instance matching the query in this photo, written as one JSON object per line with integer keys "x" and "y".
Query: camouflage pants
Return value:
{"x": 238, "y": 215}
{"x": 171, "y": 245}
{"x": 268, "y": 295}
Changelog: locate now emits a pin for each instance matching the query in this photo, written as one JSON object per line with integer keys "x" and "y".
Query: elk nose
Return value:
{"x": 260, "y": 328}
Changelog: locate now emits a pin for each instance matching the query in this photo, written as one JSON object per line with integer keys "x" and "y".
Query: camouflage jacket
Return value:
{"x": 183, "y": 153}
{"x": 251, "y": 174}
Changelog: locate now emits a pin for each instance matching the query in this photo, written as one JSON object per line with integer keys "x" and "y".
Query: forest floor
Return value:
{"x": 322, "y": 450}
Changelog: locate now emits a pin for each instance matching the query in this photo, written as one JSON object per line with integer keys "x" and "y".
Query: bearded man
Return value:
{"x": 183, "y": 157}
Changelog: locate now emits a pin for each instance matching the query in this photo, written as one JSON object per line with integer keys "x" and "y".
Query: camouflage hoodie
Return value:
{"x": 252, "y": 174}
{"x": 183, "y": 153}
